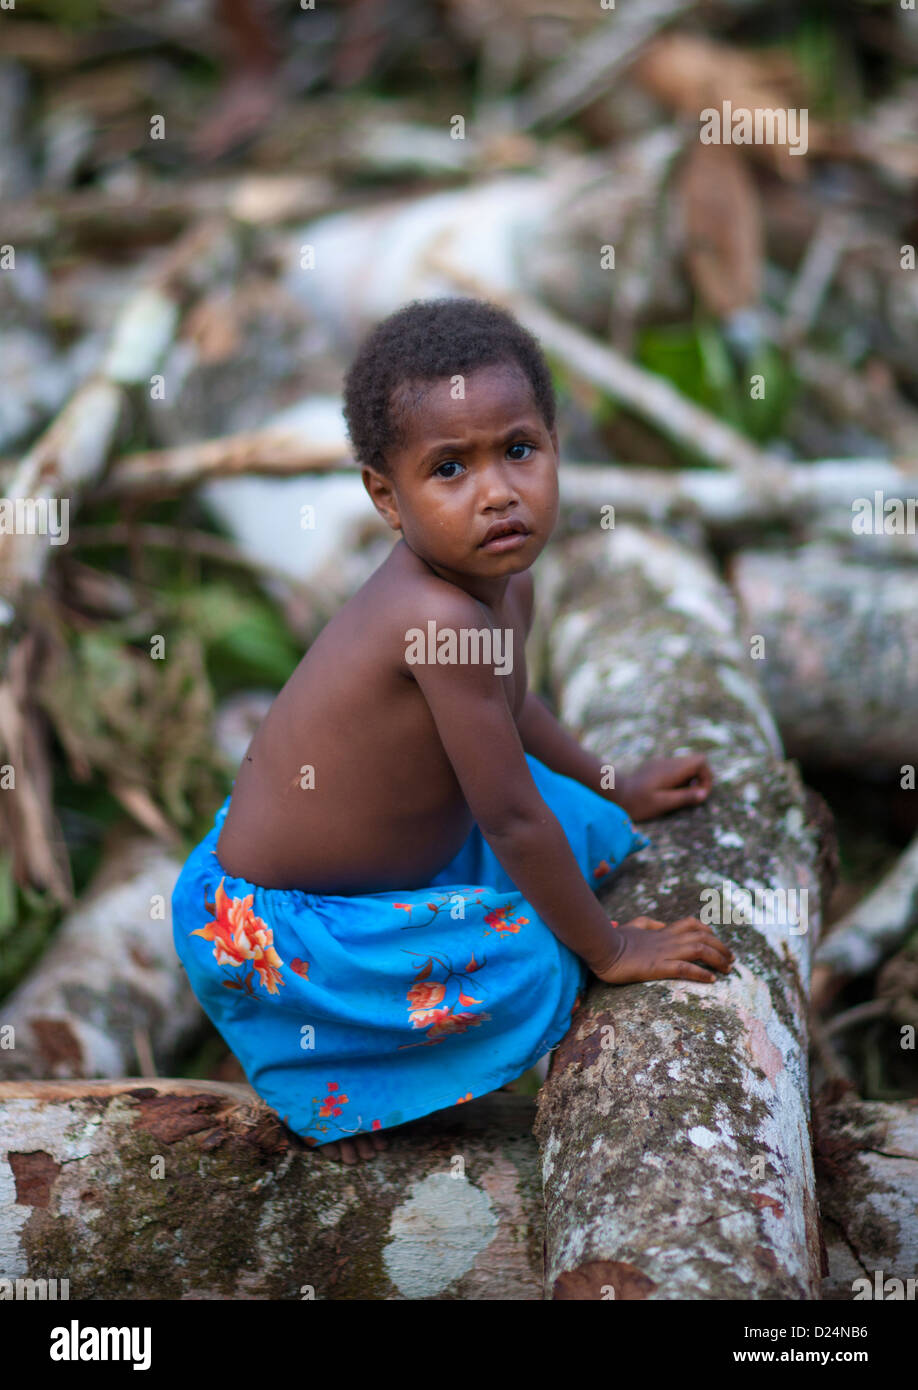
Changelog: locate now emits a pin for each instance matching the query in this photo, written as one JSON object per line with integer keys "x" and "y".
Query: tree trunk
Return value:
{"x": 858, "y": 943}
{"x": 109, "y": 991}
{"x": 195, "y": 1190}
{"x": 840, "y": 664}
{"x": 867, "y": 1164}
{"x": 674, "y": 1125}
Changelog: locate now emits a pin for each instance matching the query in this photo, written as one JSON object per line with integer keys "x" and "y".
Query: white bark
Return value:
{"x": 821, "y": 493}
{"x": 859, "y": 941}
{"x": 840, "y": 659}
{"x": 674, "y": 1124}
{"x": 109, "y": 990}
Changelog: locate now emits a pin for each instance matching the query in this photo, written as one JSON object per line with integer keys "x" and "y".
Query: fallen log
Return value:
{"x": 824, "y": 492}
{"x": 161, "y": 210}
{"x": 674, "y": 1124}
{"x": 840, "y": 645}
{"x": 109, "y": 991}
{"x": 867, "y": 1166}
{"x": 859, "y": 941}
{"x": 139, "y": 1189}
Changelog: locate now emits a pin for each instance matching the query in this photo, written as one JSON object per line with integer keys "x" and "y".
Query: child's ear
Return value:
{"x": 382, "y": 495}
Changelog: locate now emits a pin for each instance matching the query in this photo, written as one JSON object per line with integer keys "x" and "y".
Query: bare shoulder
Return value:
{"x": 413, "y": 594}
{"x": 523, "y": 588}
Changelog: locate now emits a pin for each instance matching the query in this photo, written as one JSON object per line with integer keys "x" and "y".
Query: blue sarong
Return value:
{"x": 355, "y": 1013}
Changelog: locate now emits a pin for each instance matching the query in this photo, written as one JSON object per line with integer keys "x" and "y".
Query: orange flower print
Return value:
{"x": 428, "y": 1008}
{"x": 463, "y": 1099}
{"x": 333, "y": 1102}
{"x": 239, "y": 936}
{"x": 423, "y": 1018}
{"x": 601, "y": 869}
{"x": 455, "y": 1023}
{"x": 423, "y": 998}
{"x": 300, "y": 967}
{"x": 503, "y": 924}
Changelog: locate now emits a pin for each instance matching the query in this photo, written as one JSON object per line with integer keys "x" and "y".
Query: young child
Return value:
{"x": 395, "y": 910}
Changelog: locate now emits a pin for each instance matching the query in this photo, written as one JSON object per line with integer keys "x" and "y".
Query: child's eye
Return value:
{"x": 521, "y": 445}
{"x": 447, "y": 463}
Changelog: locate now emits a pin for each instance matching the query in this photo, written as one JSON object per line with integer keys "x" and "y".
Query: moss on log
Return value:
{"x": 674, "y": 1125}
{"x": 159, "y": 1189}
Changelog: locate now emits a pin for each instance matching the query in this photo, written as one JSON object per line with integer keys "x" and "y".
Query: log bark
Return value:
{"x": 109, "y": 991}
{"x": 860, "y": 940}
{"x": 867, "y": 1164}
{"x": 674, "y": 1125}
{"x": 138, "y": 1189}
{"x": 840, "y": 666}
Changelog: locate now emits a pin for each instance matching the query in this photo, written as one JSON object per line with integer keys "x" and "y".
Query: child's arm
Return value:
{"x": 479, "y": 735}
{"x": 657, "y": 786}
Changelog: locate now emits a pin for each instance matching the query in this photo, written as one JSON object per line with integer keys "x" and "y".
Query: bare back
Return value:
{"x": 386, "y": 810}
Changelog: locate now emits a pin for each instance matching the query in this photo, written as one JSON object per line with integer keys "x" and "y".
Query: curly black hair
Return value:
{"x": 425, "y": 340}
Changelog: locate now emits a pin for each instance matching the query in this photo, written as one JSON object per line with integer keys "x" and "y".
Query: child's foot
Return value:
{"x": 352, "y": 1150}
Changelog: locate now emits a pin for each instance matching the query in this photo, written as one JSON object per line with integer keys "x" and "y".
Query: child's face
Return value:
{"x": 468, "y": 464}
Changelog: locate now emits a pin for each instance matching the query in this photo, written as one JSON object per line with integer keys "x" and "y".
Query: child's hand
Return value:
{"x": 654, "y": 951}
{"x": 664, "y": 784}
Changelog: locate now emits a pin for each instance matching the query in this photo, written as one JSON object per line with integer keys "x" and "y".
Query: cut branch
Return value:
{"x": 274, "y": 453}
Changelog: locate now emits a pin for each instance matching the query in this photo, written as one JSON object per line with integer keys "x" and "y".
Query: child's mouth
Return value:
{"x": 507, "y": 540}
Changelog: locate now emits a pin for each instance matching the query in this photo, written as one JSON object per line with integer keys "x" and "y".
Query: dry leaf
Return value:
{"x": 723, "y": 227}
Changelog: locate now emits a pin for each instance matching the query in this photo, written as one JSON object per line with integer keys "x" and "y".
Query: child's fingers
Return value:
{"x": 684, "y": 970}
{"x": 692, "y": 932}
{"x": 702, "y": 950}
{"x": 670, "y": 799}
{"x": 696, "y": 765}
{"x": 694, "y": 924}
{"x": 649, "y": 923}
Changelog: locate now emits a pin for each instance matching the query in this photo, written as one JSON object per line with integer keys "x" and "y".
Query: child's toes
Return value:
{"x": 379, "y": 1141}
